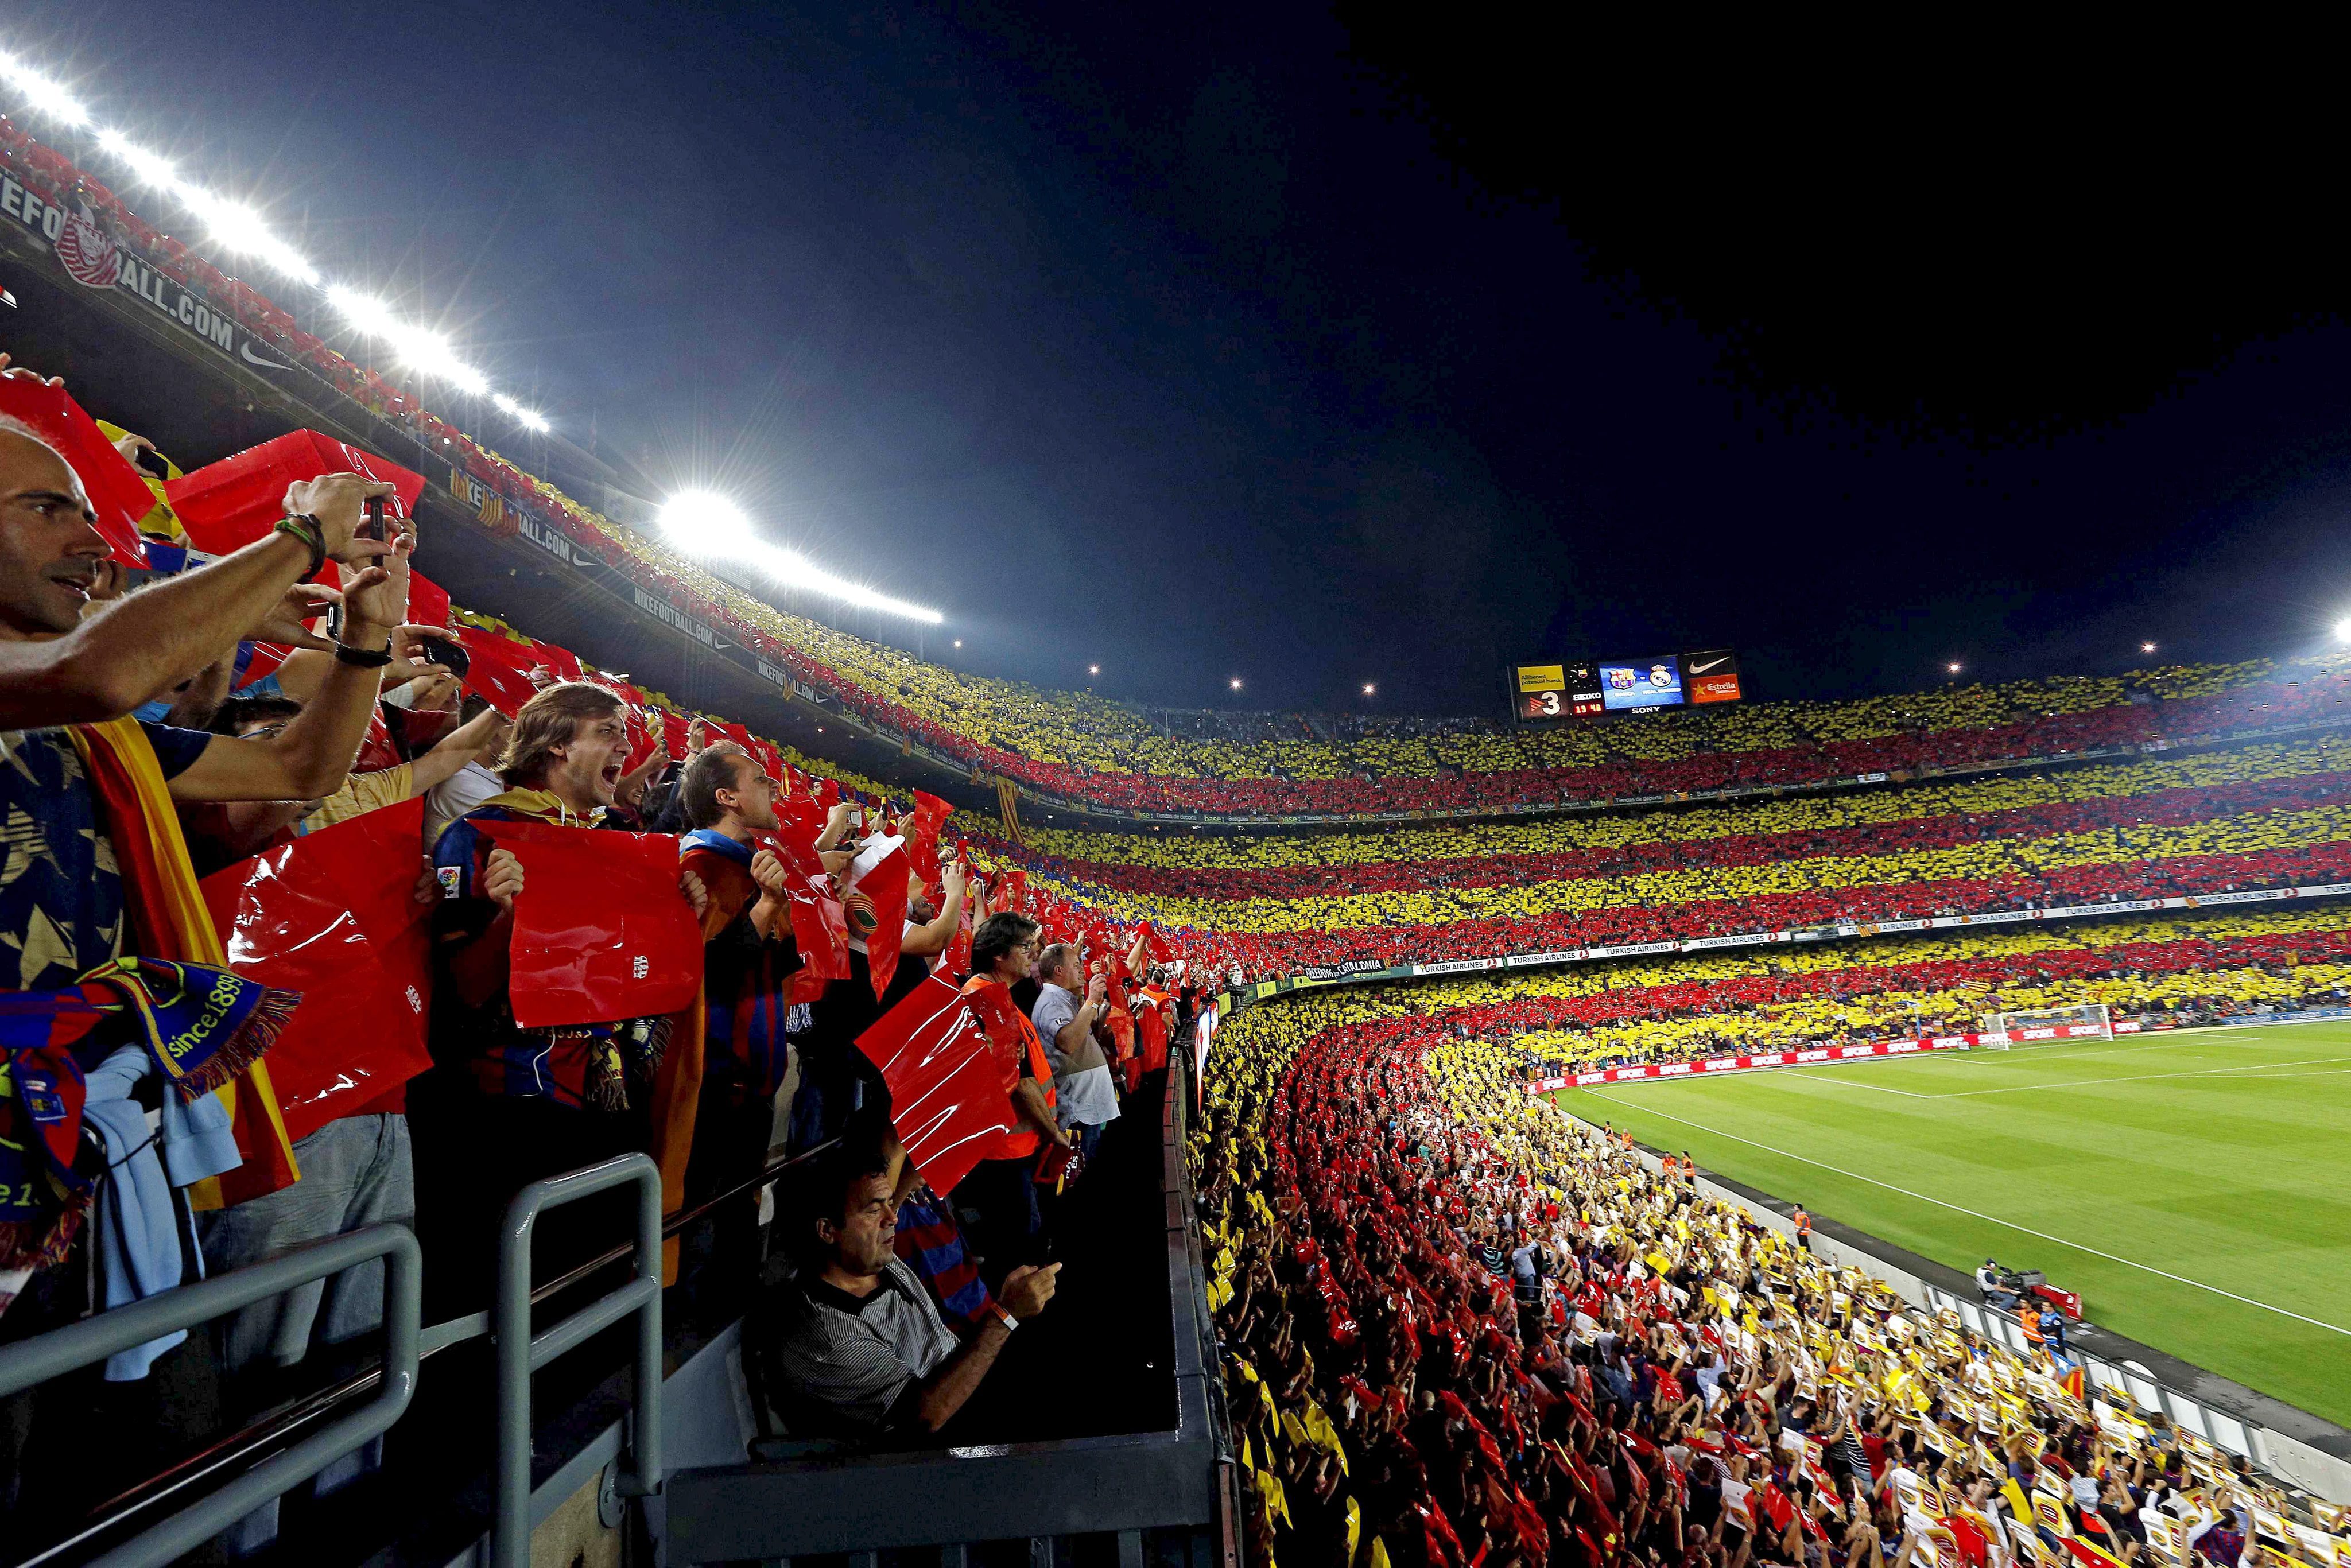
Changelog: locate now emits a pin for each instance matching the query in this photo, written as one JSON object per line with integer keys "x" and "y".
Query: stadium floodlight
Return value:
{"x": 958, "y": 641}
{"x": 416, "y": 347}
{"x": 237, "y": 227}
{"x": 45, "y": 94}
{"x": 151, "y": 167}
{"x": 1093, "y": 669}
{"x": 529, "y": 418}
{"x": 1368, "y": 688}
{"x": 704, "y": 523}
{"x": 1953, "y": 667}
{"x": 241, "y": 230}
{"x": 1236, "y": 683}
{"x": 2146, "y": 647}
{"x": 2343, "y": 629}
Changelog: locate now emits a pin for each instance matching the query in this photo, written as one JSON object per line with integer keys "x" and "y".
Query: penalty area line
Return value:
{"x": 1990, "y": 1219}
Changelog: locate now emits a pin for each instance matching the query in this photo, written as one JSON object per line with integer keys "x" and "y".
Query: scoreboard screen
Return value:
{"x": 1549, "y": 693}
{"x": 1544, "y": 694}
{"x": 1626, "y": 685}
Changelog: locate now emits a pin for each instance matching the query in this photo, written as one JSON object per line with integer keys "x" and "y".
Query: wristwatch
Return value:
{"x": 362, "y": 658}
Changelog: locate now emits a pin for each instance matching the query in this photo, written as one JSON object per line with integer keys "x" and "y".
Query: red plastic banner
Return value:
{"x": 499, "y": 669}
{"x": 334, "y": 915}
{"x": 876, "y": 907}
{"x": 235, "y": 501}
{"x": 428, "y": 602}
{"x": 947, "y": 1097}
{"x": 117, "y": 494}
{"x": 600, "y": 931}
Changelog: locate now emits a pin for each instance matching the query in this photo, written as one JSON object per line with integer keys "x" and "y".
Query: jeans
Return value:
{"x": 355, "y": 1172}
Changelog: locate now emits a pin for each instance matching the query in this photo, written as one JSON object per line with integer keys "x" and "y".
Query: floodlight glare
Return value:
{"x": 152, "y": 167}
{"x": 704, "y": 523}
{"x": 2343, "y": 629}
{"x": 46, "y": 94}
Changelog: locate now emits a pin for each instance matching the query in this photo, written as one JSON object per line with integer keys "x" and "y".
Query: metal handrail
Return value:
{"x": 94, "y": 1338}
{"x": 520, "y": 1353}
{"x": 275, "y": 1425}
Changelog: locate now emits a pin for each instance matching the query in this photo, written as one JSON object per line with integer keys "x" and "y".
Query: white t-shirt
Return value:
{"x": 456, "y": 795}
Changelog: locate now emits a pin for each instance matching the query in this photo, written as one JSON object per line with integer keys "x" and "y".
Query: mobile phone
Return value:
{"x": 151, "y": 462}
{"x": 450, "y": 656}
{"x": 371, "y": 526}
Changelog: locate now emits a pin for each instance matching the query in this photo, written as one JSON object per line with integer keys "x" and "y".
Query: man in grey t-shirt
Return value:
{"x": 857, "y": 1346}
{"x": 1085, "y": 1096}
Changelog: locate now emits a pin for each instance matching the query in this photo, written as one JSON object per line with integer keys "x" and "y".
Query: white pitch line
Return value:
{"x": 2137, "y": 1078}
{"x": 1993, "y": 1218}
{"x": 1855, "y": 1084}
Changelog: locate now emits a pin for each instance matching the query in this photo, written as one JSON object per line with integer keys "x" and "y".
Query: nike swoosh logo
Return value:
{"x": 245, "y": 350}
{"x": 1701, "y": 669}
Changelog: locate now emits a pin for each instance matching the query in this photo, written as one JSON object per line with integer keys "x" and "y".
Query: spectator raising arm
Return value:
{"x": 57, "y": 668}
{"x": 314, "y": 753}
{"x": 931, "y": 938}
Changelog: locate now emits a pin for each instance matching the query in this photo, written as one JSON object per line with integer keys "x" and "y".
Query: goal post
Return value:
{"x": 2083, "y": 1020}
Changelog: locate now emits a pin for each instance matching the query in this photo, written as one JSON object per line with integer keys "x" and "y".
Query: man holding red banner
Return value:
{"x": 749, "y": 956}
{"x": 1001, "y": 1189}
{"x": 512, "y": 1104}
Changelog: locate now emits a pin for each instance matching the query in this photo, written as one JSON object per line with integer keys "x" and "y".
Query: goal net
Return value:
{"x": 2085, "y": 1020}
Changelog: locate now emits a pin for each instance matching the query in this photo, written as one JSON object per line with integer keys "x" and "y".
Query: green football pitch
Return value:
{"x": 2194, "y": 1188}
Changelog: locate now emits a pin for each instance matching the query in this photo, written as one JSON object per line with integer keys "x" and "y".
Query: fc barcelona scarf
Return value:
{"x": 170, "y": 922}
{"x": 202, "y": 1026}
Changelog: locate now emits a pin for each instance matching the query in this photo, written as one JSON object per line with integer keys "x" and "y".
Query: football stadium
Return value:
{"x": 605, "y": 979}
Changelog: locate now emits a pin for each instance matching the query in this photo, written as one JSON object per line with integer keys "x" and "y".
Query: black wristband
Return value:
{"x": 360, "y": 658}
{"x": 312, "y": 532}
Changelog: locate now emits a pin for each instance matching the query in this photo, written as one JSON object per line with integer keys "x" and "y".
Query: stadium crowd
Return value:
{"x": 1480, "y": 1337}
{"x": 1483, "y": 1333}
{"x": 376, "y": 1007}
{"x": 2165, "y": 971}
{"x": 2217, "y": 823}
{"x": 215, "y": 767}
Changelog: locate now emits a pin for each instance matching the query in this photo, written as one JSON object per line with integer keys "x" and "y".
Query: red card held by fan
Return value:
{"x": 235, "y": 501}
{"x": 498, "y": 671}
{"x": 117, "y": 494}
{"x": 600, "y": 931}
{"x": 334, "y": 915}
{"x": 947, "y": 1094}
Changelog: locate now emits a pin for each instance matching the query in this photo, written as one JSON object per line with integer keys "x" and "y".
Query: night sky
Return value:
{"x": 1307, "y": 348}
